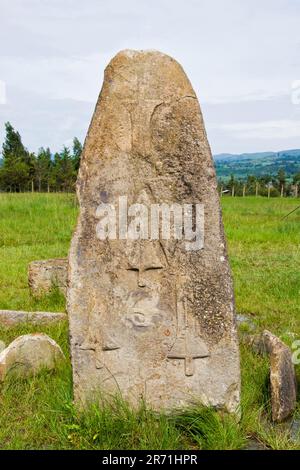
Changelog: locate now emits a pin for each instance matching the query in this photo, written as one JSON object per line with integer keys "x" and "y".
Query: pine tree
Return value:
{"x": 296, "y": 179}
{"x": 65, "y": 174}
{"x": 13, "y": 146}
{"x": 17, "y": 167}
{"x": 43, "y": 166}
{"x": 281, "y": 178}
{"x": 77, "y": 151}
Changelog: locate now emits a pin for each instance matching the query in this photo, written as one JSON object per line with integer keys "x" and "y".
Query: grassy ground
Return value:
{"x": 38, "y": 412}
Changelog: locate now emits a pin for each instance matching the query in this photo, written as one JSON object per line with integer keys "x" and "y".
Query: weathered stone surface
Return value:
{"x": 282, "y": 377}
{"x": 253, "y": 444}
{"x": 282, "y": 372}
{"x": 28, "y": 354}
{"x": 150, "y": 319}
{"x": 2, "y": 346}
{"x": 16, "y": 317}
{"x": 295, "y": 430}
{"x": 255, "y": 342}
{"x": 43, "y": 275}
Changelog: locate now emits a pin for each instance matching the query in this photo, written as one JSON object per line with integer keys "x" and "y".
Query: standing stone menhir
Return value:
{"x": 150, "y": 318}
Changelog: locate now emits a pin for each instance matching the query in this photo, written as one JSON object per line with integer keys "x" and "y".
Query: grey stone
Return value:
{"x": 253, "y": 444}
{"x": 148, "y": 318}
{"x": 295, "y": 430}
{"x": 282, "y": 377}
{"x": 10, "y": 318}
{"x": 44, "y": 275}
{"x": 28, "y": 354}
{"x": 256, "y": 342}
{"x": 282, "y": 372}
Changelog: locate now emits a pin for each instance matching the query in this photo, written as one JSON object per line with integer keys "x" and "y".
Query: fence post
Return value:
{"x": 32, "y": 186}
{"x": 296, "y": 191}
{"x": 256, "y": 189}
{"x": 281, "y": 194}
{"x": 221, "y": 191}
{"x": 269, "y": 191}
{"x": 232, "y": 191}
{"x": 244, "y": 190}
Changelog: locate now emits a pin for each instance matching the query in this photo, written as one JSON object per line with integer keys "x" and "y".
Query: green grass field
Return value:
{"x": 37, "y": 413}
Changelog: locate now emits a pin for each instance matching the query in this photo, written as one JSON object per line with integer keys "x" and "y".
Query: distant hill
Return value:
{"x": 257, "y": 164}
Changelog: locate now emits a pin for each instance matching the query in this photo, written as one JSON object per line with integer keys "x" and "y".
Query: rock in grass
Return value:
{"x": 295, "y": 430}
{"x": 282, "y": 377}
{"x": 282, "y": 373}
{"x": 28, "y": 354}
{"x": 253, "y": 444}
{"x": 43, "y": 275}
{"x": 2, "y": 346}
{"x": 10, "y": 318}
{"x": 255, "y": 342}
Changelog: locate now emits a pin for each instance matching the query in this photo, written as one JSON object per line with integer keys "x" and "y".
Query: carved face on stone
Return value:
{"x": 144, "y": 298}
{"x": 142, "y": 291}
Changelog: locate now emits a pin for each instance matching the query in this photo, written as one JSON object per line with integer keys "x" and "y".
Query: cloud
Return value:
{"x": 77, "y": 78}
{"x": 45, "y": 122}
{"x": 241, "y": 57}
{"x": 2, "y": 92}
{"x": 283, "y": 129}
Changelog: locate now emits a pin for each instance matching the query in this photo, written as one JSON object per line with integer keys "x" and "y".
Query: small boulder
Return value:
{"x": 282, "y": 377}
{"x": 10, "y": 318}
{"x": 256, "y": 343}
{"x": 28, "y": 354}
{"x": 254, "y": 444}
{"x": 295, "y": 430}
{"x": 43, "y": 275}
{"x": 282, "y": 372}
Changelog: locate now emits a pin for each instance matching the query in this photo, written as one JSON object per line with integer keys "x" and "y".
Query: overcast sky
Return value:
{"x": 242, "y": 57}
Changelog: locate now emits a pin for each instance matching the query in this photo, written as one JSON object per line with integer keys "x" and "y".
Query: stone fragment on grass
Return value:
{"x": 254, "y": 444}
{"x": 295, "y": 430}
{"x": 43, "y": 275}
{"x": 11, "y": 318}
{"x": 282, "y": 377}
{"x": 255, "y": 342}
{"x": 29, "y": 354}
{"x": 282, "y": 373}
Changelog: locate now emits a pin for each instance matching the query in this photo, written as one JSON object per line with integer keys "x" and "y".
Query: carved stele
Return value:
{"x": 149, "y": 319}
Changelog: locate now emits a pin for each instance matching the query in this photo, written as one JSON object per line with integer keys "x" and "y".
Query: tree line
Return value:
{"x": 21, "y": 170}
{"x": 266, "y": 185}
